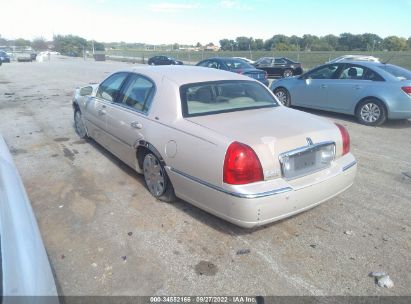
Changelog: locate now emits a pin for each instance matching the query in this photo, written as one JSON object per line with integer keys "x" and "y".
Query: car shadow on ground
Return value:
{"x": 198, "y": 214}
{"x": 390, "y": 124}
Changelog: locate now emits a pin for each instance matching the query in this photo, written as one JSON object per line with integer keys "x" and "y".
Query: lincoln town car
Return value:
{"x": 218, "y": 140}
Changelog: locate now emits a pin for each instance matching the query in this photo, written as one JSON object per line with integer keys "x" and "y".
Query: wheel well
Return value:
{"x": 285, "y": 89}
{"x": 75, "y": 106}
{"x": 370, "y": 97}
{"x": 144, "y": 148}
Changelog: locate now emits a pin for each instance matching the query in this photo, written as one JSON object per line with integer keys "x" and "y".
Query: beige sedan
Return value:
{"x": 218, "y": 140}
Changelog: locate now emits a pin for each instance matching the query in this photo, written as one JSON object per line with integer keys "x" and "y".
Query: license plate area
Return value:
{"x": 307, "y": 160}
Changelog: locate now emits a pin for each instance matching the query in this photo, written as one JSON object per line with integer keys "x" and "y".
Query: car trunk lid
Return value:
{"x": 271, "y": 132}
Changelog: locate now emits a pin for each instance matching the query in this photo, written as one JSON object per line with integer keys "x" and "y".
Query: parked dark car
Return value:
{"x": 164, "y": 60}
{"x": 235, "y": 65}
{"x": 4, "y": 57}
{"x": 279, "y": 66}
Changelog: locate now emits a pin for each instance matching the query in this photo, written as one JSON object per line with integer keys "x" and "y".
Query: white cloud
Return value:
{"x": 233, "y": 4}
{"x": 172, "y": 7}
{"x": 228, "y": 3}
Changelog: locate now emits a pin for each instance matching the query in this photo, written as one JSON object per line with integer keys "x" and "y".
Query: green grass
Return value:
{"x": 308, "y": 59}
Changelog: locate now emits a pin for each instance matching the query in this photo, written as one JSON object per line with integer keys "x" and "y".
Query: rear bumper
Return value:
{"x": 259, "y": 208}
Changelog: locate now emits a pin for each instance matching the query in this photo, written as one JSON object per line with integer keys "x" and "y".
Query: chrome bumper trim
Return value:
{"x": 346, "y": 167}
{"x": 236, "y": 194}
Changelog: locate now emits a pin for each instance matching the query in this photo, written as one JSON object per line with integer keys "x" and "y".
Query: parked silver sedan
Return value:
{"x": 372, "y": 91}
{"x": 25, "y": 272}
{"x": 218, "y": 140}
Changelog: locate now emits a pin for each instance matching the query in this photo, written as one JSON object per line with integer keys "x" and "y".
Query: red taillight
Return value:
{"x": 407, "y": 90}
{"x": 345, "y": 139}
{"x": 240, "y": 71}
{"x": 241, "y": 165}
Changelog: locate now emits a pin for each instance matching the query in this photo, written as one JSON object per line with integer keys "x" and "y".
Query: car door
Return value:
{"x": 265, "y": 64}
{"x": 344, "y": 92}
{"x": 127, "y": 117}
{"x": 312, "y": 88}
{"x": 96, "y": 107}
{"x": 278, "y": 67}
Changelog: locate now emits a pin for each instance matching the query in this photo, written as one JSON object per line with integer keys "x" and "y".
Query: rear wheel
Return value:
{"x": 371, "y": 112}
{"x": 283, "y": 96}
{"x": 288, "y": 73}
{"x": 156, "y": 179}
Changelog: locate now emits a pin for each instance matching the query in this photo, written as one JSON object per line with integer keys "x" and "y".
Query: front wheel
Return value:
{"x": 283, "y": 96}
{"x": 79, "y": 125}
{"x": 371, "y": 112}
{"x": 156, "y": 179}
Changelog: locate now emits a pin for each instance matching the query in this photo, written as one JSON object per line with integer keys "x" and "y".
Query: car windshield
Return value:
{"x": 396, "y": 71}
{"x": 235, "y": 64}
{"x": 224, "y": 96}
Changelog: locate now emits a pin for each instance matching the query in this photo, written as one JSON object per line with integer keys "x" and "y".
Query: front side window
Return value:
{"x": 224, "y": 96}
{"x": 109, "y": 88}
{"x": 324, "y": 72}
{"x": 137, "y": 93}
{"x": 279, "y": 61}
{"x": 264, "y": 61}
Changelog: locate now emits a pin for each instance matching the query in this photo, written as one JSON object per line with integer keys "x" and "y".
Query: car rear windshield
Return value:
{"x": 234, "y": 64}
{"x": 396, "y": 71}
{"x": 207, "y": 98}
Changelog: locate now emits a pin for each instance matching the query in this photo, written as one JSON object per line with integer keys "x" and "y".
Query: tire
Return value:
{"x": 283, "y": 96}
{"x": 156, "y": 179}
{"x": 371, "y": 112}
{"x": 288, "y": 73}
{"x": 81, "y": 129}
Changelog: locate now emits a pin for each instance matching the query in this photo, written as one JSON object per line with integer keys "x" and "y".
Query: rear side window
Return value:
{"x": 109, "y": 88}
{"x": 137, "y": 93}
{"x": 357, "y": 72}
{"x": 223, "y": 96}
{"x": 396, "y": 71}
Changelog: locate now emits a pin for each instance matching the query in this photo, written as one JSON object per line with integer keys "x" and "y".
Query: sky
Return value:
{"x": 189, "y": 22}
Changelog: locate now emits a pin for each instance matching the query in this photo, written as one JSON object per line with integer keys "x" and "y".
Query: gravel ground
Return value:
{"x": 105, "y": 234}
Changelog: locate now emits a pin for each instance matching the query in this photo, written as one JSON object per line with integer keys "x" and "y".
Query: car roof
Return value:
{"x": 361, "y": 62}
{"x": 185, "y": 74}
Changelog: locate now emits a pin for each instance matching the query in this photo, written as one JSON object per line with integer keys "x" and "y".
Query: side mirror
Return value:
{"x": 86, "y": 91}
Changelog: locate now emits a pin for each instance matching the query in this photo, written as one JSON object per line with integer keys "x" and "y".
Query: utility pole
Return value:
{"x": 373, "y": 46}
{"x": 249, "y": 49}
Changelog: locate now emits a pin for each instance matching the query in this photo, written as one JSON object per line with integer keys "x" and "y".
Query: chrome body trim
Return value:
{"x": 235, "y": 194}
{"x": 309, "y": 148}
{"x": 352, "y": 164}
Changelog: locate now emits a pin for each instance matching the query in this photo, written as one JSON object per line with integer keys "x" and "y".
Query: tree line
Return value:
{"x": 65, "y": 44}
{"x": 343, "y": 42}
{"x": 75, "y": 45}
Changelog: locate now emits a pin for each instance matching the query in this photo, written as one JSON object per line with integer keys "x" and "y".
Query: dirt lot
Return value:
{"x": 106, "y": 235}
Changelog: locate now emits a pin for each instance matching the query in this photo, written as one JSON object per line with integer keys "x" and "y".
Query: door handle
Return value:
{"x": 102, "y": 112}
{"x": 357, "y": 87}
{"x": 323, "y": 86}
{"x": 136, "y": 125}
